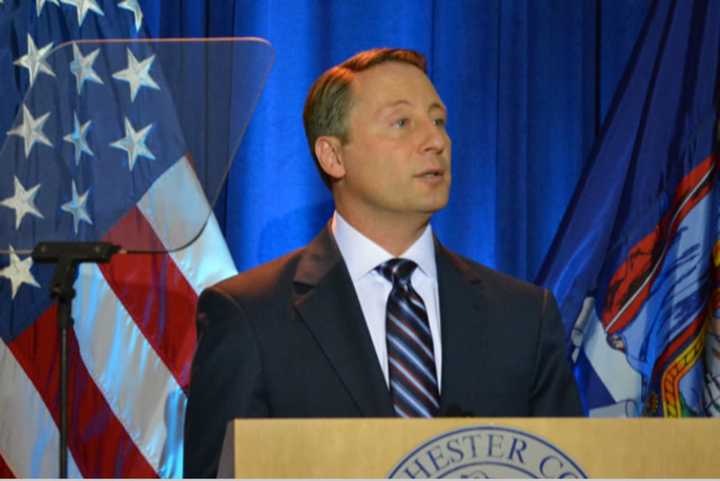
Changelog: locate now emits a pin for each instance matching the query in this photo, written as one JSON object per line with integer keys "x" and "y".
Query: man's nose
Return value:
{"x": 435, "y": 138}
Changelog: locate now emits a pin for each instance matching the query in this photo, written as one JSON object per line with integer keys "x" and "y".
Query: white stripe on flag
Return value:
{"x": 208, "y": 259}
{"x": 29, "y": 438}
{"x": 611, "y": 365}
{"x": 139, "y": 388}
{"x": 137, "y": 385}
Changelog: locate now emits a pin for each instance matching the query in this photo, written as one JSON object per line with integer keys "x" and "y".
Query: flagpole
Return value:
{"x": 67, "y": 256}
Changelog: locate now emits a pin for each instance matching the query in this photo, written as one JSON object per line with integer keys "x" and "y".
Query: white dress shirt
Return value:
{"x": 362, "y": 256}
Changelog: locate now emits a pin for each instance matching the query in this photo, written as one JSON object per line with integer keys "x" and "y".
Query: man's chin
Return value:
{"x": 429, "y": 208}
{"x": 437, "y": 200}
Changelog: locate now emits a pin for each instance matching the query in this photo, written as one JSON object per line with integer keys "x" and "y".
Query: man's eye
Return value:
{"x": 400, "y": 123}
{"x": 440, "y": 122}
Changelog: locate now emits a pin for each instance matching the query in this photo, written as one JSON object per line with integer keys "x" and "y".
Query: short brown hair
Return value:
{"x": 329, "y": 101}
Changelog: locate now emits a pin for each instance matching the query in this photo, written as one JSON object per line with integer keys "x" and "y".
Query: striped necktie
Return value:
{"x": 411, "y": 359}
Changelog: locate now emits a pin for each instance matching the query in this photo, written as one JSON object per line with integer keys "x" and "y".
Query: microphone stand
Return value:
{"x": 67, "y": 256}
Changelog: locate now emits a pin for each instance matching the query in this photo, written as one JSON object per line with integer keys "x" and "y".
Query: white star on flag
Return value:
{"x": 137, "y": 74}
{"x": 18, "y": 272}
{"x": 76, "y": 207}
{"x": 82, "y": 7}
{"x": 82, "y": 67}
{"x": 35, "y": 60}
{"x": 134, "y": 7}
{"x": 31, "y": 130}
{"x": 77, "y": 138}
{"x": 22, "y": 202}
{"x": 39, "y": 4}
{"x": 134, "y": 143}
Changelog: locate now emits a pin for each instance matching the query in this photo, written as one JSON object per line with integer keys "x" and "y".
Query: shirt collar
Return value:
{"x": 362, "y": 256}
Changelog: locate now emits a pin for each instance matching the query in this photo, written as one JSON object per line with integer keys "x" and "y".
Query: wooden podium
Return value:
{"x": 471, "y": 447}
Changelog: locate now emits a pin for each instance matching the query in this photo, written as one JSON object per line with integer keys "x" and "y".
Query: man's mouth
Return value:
{"x": 431, "y": 173}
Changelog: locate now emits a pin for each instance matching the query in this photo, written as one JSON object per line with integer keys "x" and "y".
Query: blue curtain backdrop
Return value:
{"x": 527, "y": 84}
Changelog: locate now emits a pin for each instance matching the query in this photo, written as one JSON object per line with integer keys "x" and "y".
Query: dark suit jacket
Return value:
{"x": 288, "y": 339}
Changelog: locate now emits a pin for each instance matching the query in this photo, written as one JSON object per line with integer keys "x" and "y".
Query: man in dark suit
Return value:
{"x": 374, "y": 317}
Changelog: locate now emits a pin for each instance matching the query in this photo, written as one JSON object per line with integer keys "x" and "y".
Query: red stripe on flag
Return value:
{"x": 99, "y": 443}
{"x": 678, "y": 344}
{"x": 637, "y": 270}
{"x": 5, "y": 471}
{"x": 157, "y": 295}
{"x": 133, "y": 232}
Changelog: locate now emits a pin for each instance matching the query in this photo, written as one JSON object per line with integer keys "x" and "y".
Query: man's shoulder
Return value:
{"x": 514, "y": 303}
{"x": 264, "y": 281}
{"x": 490, "y": 278}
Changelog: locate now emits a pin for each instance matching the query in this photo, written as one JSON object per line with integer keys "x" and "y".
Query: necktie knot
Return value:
{"x": 397, "y": 270}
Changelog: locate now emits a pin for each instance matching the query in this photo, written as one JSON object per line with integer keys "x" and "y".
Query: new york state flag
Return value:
{"x": 636, "y": 263}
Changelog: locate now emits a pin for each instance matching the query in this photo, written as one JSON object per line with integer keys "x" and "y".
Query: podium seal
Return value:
{"x": 487, "y": 452}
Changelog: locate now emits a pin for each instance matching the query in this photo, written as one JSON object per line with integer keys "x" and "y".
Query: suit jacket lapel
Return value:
{"x": 328, "y": 304}
{"x": 463, "y": 329}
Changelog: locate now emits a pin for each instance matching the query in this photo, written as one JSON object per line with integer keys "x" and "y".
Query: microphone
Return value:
{"x": 455, "y": 411}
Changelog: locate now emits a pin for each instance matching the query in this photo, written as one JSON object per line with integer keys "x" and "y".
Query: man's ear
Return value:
{"x": 328, "y": 150}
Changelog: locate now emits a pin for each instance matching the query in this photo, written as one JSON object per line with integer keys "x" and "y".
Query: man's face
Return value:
{"x": 397, "y": 159}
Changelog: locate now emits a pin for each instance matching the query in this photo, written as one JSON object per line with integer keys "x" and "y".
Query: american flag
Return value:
{"x": 97, "y": 151}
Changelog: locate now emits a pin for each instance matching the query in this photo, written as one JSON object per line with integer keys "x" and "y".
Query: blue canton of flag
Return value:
{"x": 95, "y": 151}
{"x": 636, "y": 263}
{"x": 83, "y": 145}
